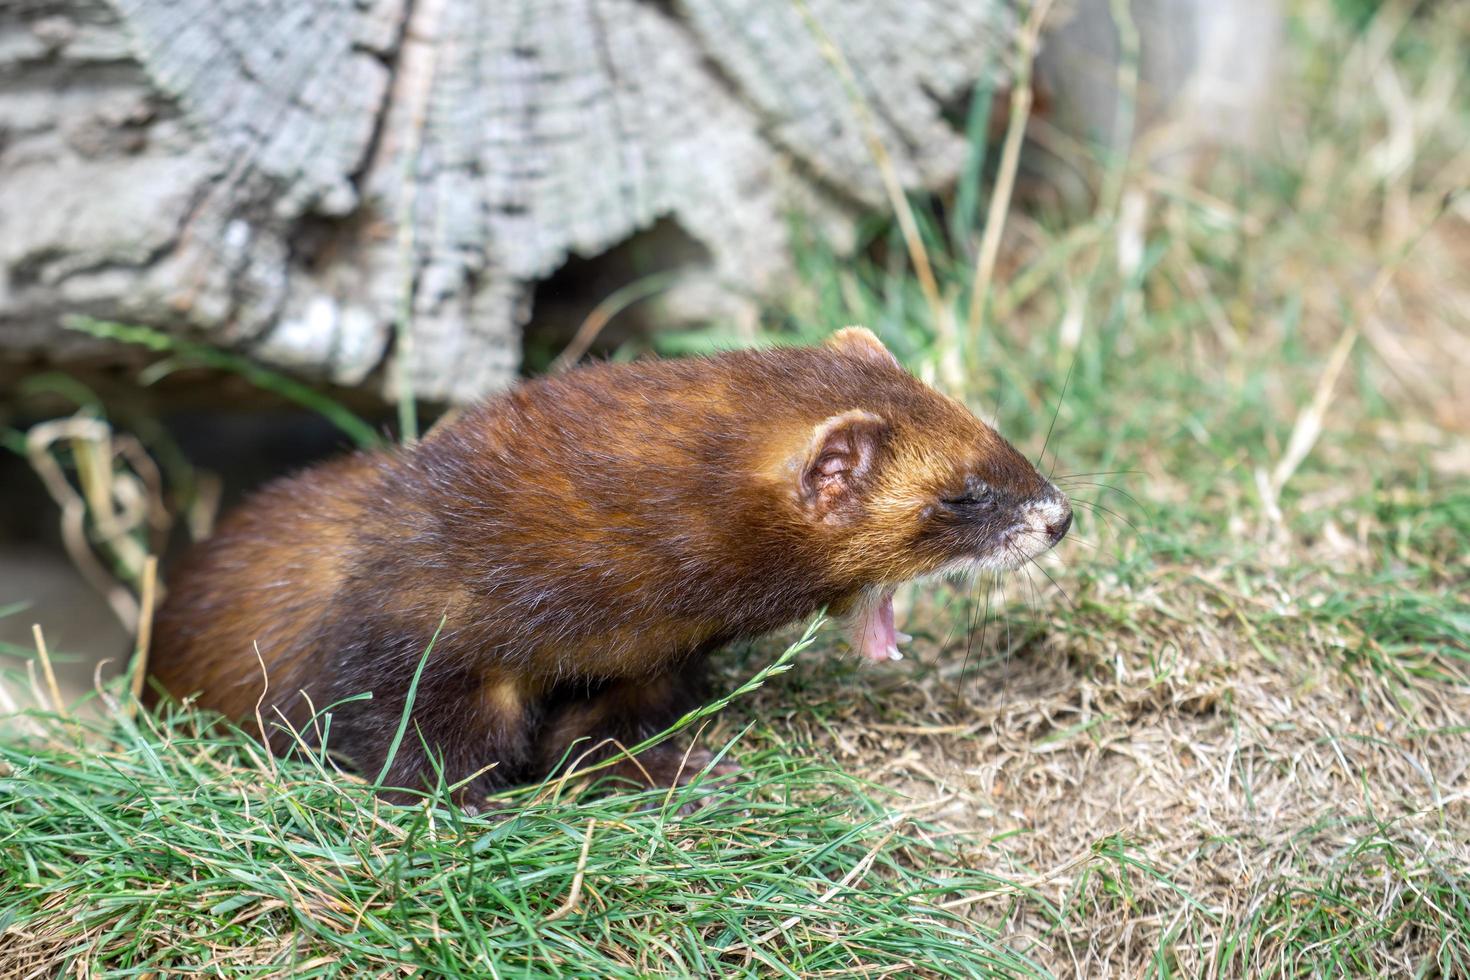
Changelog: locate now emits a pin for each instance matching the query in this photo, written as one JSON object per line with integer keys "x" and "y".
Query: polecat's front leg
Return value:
{"x": 582, "y": 729}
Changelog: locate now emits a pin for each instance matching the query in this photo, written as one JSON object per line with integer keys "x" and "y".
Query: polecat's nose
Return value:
{"x": 1058, "y": 529}
{"x": 1052, "y": 514}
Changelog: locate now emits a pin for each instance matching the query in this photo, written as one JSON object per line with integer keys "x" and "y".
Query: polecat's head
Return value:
{"x": 905, "y": 482}
{"x": 900, "y": 482}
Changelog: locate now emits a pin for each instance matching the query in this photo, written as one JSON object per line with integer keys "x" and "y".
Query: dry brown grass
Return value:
{"x": 1154, "y": 784}
{"x": 1240, "y": 743}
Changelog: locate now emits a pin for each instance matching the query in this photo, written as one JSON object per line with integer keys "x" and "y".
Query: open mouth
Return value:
{"x": 870, "y": 628}
{"x": 871, "y": 632}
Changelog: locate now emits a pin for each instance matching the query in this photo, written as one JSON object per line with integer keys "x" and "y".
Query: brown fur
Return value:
{"x": 586, "y": 540}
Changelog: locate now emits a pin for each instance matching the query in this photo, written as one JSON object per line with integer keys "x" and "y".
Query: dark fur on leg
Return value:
{"x": 619, "y": 715}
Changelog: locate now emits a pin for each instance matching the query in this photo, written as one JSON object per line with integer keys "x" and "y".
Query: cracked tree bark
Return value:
{"x": 292, "y": 178}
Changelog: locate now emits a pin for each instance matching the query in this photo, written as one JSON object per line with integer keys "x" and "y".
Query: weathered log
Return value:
{"x": 294, "y": 178}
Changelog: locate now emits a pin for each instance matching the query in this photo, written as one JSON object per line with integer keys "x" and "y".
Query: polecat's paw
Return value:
{"x": 714, "y": 779}
{"x": 667, "y": 767}
{"x": 700, "y": 762}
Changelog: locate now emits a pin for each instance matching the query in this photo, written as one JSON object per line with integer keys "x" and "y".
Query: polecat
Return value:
{"x": 586, "y": 540}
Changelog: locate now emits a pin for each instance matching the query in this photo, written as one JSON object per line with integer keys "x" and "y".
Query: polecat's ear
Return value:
{"x": 864, "y": 343}
{"x": 840, "y": 456}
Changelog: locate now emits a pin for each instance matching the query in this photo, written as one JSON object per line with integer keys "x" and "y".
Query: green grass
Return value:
{"x": 1228, "y": 739}
{"x": 165, "y": 847}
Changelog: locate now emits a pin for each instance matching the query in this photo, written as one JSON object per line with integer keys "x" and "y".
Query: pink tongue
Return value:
{"x": 871, "y": 631}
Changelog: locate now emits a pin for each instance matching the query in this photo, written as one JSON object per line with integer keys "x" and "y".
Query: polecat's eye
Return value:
{"x": 969, "y": 500}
